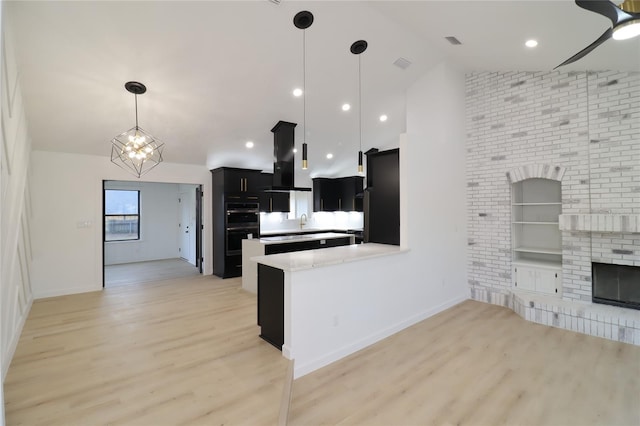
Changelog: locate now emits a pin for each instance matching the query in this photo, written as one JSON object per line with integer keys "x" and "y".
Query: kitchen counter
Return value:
{"x": 285, "y": 243}
{"x": 304, "y": 231}
{"x": 301, "y": 260}
{"x": 319, "y": 306}
{"x": 280, "y": 239}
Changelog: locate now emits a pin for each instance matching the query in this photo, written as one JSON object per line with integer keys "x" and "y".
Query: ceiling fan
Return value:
{"x": 625, "y": 21}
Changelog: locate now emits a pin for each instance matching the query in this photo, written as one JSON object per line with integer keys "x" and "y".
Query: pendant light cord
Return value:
{"x": 360, "y": 102}
{"x": 136, "y": 97}
{"x": 304, "y": 86}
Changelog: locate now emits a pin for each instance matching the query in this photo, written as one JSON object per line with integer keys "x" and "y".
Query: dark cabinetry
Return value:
{"x": 339, "y": 194}
{"x": 235, "y": 216}
{"x": 306, "y": 245}
{"x": 382, "y": 197}
{"x": 271, "y": 304}
{"x": 271, "y": 201}
{"x": 241, "y": 183}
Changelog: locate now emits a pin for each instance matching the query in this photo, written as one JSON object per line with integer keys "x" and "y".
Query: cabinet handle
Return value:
{"x": 339, "y": 203}
{"x": 271, "y": 205}
{"x": 556, "y": 275}
{"x": 241, "y": 184}
{"x": 321, "y": 204}
{"x": 245, "y": 184}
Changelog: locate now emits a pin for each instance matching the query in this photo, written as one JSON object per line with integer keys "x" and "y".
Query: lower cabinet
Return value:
{"x": 271, "y": 304}
{"x": 542, "y": 279}
{"x": 306, "y": 245}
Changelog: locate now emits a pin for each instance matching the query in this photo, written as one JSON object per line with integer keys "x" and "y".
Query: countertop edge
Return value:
{"x": 276, "y": 261}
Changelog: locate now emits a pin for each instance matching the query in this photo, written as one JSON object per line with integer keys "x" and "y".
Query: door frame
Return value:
{"x": 199, "y": 222}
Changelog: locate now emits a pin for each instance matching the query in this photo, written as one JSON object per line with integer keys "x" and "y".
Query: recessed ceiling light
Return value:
{"x": 297, "y": 92}
{"x": 531, "y": 43}
{"x": 346, "y": 107}
{"x": 249, "y": 144}
{"x": 329, "y": 156}
{"x": 383, "y": 118}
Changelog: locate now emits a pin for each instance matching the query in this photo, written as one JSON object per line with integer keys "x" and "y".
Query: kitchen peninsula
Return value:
{"x": 321, "y": 305}
{"x": 283, "y": 244}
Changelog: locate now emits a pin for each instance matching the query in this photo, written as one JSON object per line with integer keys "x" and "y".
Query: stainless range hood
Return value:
{"x": 284, "y": 158}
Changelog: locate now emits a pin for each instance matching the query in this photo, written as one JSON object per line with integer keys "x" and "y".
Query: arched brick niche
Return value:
{"x": 530, "y": 171}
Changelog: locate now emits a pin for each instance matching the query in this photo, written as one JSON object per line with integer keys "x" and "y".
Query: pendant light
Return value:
{"x": 357, "y": 48}
{"x": 303, "y": 20}
{"x": 136, "y": 150}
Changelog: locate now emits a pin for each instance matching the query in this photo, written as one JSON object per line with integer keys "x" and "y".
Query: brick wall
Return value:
{"x": 586, "y": 122}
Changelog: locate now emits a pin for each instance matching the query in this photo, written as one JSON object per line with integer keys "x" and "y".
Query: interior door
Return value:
{"x": 187, "y": 202}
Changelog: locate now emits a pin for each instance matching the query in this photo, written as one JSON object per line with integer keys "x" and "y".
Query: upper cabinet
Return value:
{"x": 242, "y": 183}
{"x": 340, "y": 194}
{"x": 272, "y": 201}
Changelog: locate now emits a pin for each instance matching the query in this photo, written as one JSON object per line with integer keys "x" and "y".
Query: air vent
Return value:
{"x": 275, "y": 1}
{"x": 453, "y": 40}
{"x": 402, "y": 63}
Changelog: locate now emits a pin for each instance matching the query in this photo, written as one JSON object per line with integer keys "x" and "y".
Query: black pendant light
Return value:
{"x": 357, "y": 48}
{"x": 303, "y": 20}
{"x": 136, "y": 150}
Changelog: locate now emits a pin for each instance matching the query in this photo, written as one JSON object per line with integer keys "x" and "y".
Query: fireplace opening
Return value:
{"x": 617, "y": 285}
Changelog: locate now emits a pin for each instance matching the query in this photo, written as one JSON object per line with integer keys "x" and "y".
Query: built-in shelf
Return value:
{"x": 544, "y": 263}
{"x": 537, "y": 250}
{"x": 536, "y": 239}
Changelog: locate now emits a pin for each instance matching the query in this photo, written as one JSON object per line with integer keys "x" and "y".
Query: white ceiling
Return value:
{"x": 221, "y": 73}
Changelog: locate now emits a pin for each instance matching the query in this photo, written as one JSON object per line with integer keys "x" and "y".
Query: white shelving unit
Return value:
{"x": 536, "y": 238}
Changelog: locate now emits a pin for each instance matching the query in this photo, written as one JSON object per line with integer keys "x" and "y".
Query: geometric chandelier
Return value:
{"x": 136, "y": 150}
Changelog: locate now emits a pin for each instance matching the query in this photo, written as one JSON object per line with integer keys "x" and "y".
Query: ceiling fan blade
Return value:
{"x": 604, "y": 37}
{"x": 605, "y": 8}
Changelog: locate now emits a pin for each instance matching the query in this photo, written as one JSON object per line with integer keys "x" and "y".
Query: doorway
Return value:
{"x": 151, "y": 231}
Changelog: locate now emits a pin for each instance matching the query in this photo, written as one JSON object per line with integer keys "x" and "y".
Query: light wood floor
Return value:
{"x": 171, "y": 352}
{"x": 164, "y": 354}
{"x": 476, "y": 364}
{"x": 143, "y": 272}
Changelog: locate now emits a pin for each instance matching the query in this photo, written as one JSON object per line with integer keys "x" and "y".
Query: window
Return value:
{"x": 121, "y": 215}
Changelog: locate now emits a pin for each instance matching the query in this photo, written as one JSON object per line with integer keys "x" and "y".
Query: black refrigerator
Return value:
{"x": 382, "y": 197}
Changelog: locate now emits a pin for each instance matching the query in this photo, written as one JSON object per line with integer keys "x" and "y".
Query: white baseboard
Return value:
{"x": 313, "y": 365}
{"x": 65, "y": 292}
{"x": 14, "y": 340}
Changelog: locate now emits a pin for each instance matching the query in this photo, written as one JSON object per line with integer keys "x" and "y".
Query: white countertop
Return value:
{"x": 302, "y": 237}
{"x": 308, "y": 259}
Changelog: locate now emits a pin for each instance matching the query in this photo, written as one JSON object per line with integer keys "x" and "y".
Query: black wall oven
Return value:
{"x": 242, "y": 219}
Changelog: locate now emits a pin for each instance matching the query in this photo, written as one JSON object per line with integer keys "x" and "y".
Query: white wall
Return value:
{"x": 15, "y": 208}
{"x": 67, "y": 217}
{"x": 356, "y": 304}
{"x": 433, "y": 182}
{"x": 159, "y": 218}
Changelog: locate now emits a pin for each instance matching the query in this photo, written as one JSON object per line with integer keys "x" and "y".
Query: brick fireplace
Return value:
{"x": 587, "y": 123}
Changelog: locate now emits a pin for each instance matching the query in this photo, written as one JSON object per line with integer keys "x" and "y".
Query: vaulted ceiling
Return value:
{"x": 221, "y": 73}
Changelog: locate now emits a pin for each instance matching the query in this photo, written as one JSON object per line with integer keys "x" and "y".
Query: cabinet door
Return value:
{"x": 253, "y": 182}
{"x": 546, "y": 281}
{"x": 279, "y": 202}
{"x": 336, "y": 242}
{"x": 349, "y": 187}
{"x": 325, "y": 197}
{"x": 242, "y": 182}
{"x": 525, "y": 278}
{"x": 233, "y": 181}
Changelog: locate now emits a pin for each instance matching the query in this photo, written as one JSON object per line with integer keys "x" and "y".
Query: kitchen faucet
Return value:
{"x": 303, "y": 220}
